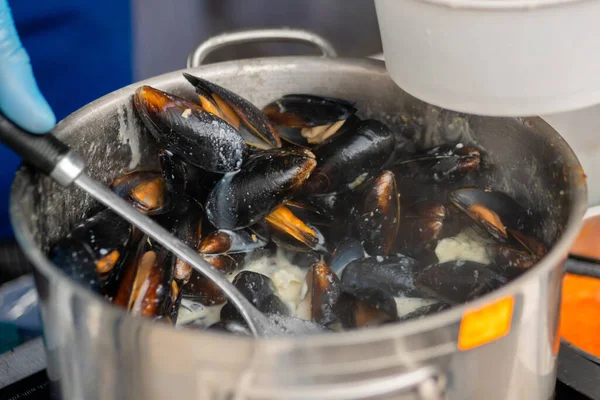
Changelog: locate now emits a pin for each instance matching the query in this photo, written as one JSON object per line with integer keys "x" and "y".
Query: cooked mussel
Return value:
{"x": 260, "y": 291}
{"x": 394, "y": 275}
{"x": 202, "y": 289}
{"x": 251, "y": 123}
{"x": 458, "y": 281}
{"x": 306, "y": 120}
{"x": 290, "y": 232}
{"x": 186, "y": 130}
{"x": 325, "y": 298}
{"x": 230, "y": 242}
{"x": 94, "y": 251}
{"x": 422, "y": 225}
{"x": 146, "y": 286}
{"x": 184, "y": 178}
{"x": 347, "y": 250}
{"x": 378, "y": 217}
{"x": 499, "y": 215}
{"x": 267, "y": 179}
{"x": 445, "y": 163}
{"x": 350, "y": 159}
{"x": 145, "y": 190}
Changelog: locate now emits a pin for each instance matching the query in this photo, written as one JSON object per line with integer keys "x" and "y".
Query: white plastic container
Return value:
{"x": 494, "y": 57}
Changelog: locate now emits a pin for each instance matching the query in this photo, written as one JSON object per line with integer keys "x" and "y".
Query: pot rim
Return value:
{"x": 578, "y": 193}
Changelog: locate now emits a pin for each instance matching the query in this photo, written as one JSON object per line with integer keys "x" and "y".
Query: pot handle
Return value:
{"x": 196, "y": 58}
{"x": 427, "y": 382}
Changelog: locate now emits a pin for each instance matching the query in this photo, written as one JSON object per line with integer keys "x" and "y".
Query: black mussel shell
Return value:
{"x": 445, "y": 163}
{"x": 184, "y": 129}
{"x": 328, "y": 302}
{"x": 393, "y": 274}
{"x": 252, "y": 124}
{"x": 231, "y": 242}
{"x": 499, "y": 215}
{"x": 425, "y": 311}
{"x": 205, "y": 291}
{"x": 260, "y": 291}
{"x": 309, "y": 137}
{"x": 145, "y": 190}
{"x": 373, "y": 307}
{"x": 378, "y": 216}
{"x": 347, "y": 250}
{"x": 350, "y": 159}
{"x": 458, "y": 281}
{"x": 508, "y": 257}
{"x": 146, "y": 287}
{"x": 184, "y": 178}
{"x": 267, "y": 179}
{"x": 422, "y": 225}
{"x": 303, "y": 110}
{"x": 94, "y": 251}
{"x": 291, "y": 233}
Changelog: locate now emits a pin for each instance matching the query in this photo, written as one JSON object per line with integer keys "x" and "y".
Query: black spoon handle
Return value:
{"x": 42, "y": 151}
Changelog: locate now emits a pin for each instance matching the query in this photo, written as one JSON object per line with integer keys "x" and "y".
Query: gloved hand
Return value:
{"x": 20, "y": 97}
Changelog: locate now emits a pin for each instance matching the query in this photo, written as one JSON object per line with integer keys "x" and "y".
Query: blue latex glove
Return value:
{"x": 20, "y": 98}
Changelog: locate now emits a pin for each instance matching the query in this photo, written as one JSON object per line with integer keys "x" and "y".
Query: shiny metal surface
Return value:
{"x": 196, "y": 58}
{"x": 257, "y": 322}
{"x": 96, "y": 351}
{"x": 68, "y": 169}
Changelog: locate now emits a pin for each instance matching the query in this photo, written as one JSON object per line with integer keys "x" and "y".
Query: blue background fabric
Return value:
{"x": 80, "y": 50}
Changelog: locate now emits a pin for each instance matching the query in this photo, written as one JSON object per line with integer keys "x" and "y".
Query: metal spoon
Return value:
{"x": 55, "y": 159}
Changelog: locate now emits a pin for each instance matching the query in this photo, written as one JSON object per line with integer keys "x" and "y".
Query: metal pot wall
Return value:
{"x": 502, "y": 346}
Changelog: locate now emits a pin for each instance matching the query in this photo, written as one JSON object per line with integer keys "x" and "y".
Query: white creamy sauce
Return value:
{"x": 467, "y": 245}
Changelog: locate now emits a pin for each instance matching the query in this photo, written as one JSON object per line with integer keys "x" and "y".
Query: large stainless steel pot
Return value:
{"x": 96, "y": 351}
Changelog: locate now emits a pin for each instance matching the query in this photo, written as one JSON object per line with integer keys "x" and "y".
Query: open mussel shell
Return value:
{"x": 350, "y": 159}
{"x": 184, "y": 129}
{"x": 231, "y": 242}
{"x": 93, "y": 253}
{"x": 251, "y": 123}
{"x": 459, "y": 281}
{"x": 267, "y": 179}
{"x": 202, "y": 289}
{"x": 145, "y": 289}
{"x": 311, "y": 136}
{"x": 445, "y": 163}
{"x": 291, "y": 233}
{"x": 499, "y": 215}
{"x": 304, "y": 110}
{"x": 145, "y": 190}
{"x": 326, "y": 299}
{"x": 347, "y": 250}
{"x": 260, "y": 291}
{"x": 378, "y": 217}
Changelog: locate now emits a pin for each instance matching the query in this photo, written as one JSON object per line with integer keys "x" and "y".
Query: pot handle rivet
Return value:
{"x": 196, "y": 58}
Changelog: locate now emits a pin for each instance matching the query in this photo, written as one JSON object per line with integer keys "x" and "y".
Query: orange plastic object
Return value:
{"x": 486, "y": 324}
{"x": 580, "y": 312}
